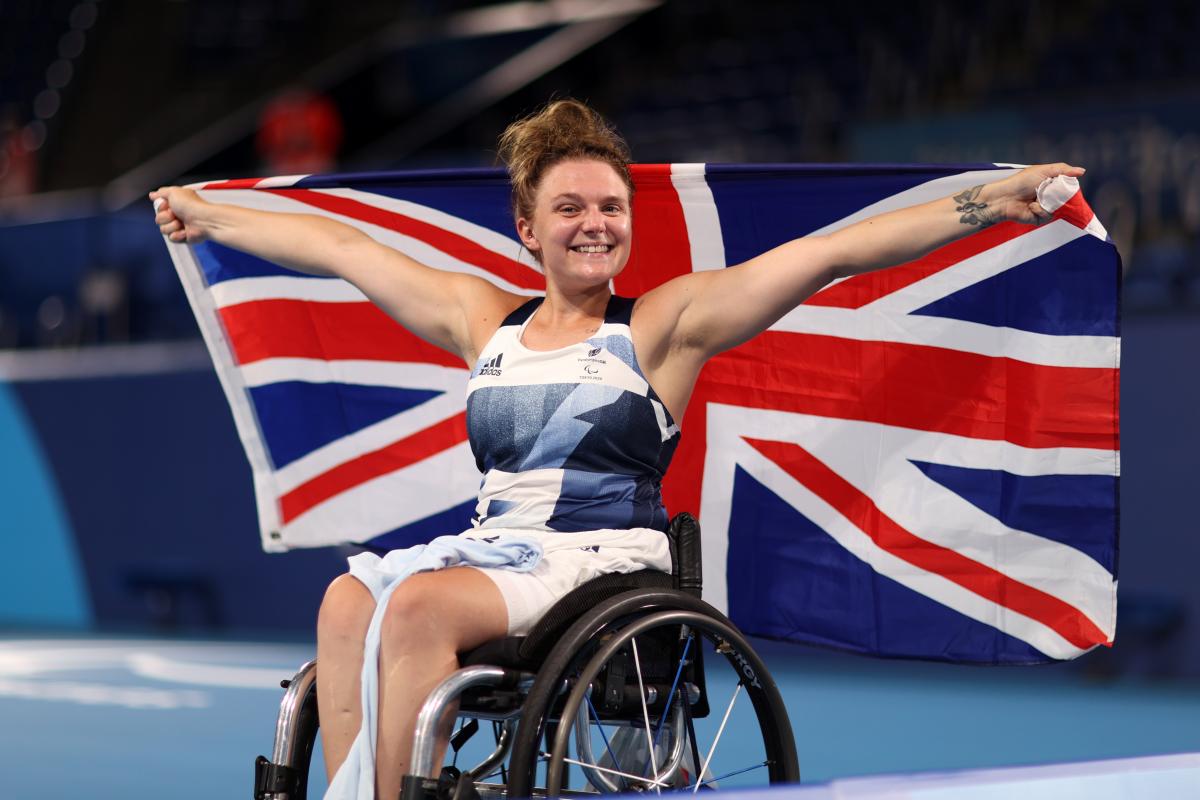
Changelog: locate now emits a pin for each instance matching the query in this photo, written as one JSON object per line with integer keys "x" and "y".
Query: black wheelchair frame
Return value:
{"x": 579, "y": 667}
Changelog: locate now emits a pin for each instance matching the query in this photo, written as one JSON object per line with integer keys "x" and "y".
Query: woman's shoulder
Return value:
{"x": 492, "y": 308}
{"x": 667, "y": 299}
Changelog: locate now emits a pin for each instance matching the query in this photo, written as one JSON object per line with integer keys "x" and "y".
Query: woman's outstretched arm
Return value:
{"x": 448, "y": 309}
{"x": 719, "y": 309}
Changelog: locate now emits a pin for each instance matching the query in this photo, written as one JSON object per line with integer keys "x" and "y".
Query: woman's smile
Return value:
{"x": 592, "y": 248}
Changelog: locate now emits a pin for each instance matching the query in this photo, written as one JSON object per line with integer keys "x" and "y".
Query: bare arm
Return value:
{"x": 713, "y": 311}
{"x": 444, "y": 308}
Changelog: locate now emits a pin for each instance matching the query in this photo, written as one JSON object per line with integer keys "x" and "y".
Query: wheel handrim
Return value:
{"x": 777, "y": 744}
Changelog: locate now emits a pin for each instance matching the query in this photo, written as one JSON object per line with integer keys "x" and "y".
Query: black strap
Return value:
{"x": 463, "y": 736}
{"x": 271, "y": 779}
{"x": 619, "y": 310}
{"x": 522, "y": 312}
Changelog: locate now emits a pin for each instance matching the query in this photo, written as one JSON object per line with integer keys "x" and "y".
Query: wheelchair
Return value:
{"x": 614, "y": 690}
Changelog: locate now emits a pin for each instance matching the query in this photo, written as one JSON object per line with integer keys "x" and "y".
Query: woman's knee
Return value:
{"x": 416, "y": 612}
{"x": 346, "y": 609}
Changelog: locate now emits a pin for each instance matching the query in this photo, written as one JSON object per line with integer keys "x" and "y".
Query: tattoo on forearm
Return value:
{"x": 974, "y": 213}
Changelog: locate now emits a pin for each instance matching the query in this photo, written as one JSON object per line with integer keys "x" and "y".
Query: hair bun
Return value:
{"x": 563, "y": 129}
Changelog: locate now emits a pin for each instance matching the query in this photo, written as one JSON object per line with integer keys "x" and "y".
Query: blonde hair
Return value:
{"x": 562, "y": 130}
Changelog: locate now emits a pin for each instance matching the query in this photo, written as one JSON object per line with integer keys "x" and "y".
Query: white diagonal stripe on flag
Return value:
{"x": 927, "y": 583}
{"x": 979, "y": 267}
{"x": 402, "y": 375}
{"x": 367, "y": 440}
{"x": 935, "y": 189}
{"x": 507, "y": 246}
{"x": 414, "y": 248}
{"x": 867, "y": 324}
{"x": 285, "y": 287}
{"x": 728, "y": 424}
{"x": 877, "y": 460}
{"x": 440, "y": 482}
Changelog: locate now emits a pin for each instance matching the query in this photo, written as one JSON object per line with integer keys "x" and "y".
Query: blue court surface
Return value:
{"x": 134, "y": 718}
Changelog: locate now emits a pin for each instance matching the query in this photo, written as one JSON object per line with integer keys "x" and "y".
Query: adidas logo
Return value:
{"x": 492, "y": 366}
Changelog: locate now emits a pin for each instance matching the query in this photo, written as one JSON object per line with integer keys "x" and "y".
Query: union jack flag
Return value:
{"x": 920, "y": 462}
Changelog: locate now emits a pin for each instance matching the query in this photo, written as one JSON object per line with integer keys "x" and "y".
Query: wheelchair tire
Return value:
{"x": 594, "y": 638}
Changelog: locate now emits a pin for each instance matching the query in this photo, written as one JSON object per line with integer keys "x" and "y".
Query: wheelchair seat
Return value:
{"x": 579, "y": 673}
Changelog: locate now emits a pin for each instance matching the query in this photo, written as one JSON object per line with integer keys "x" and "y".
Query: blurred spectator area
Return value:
{"x": 117, "y": 93}
{"x": 94, "y": 279}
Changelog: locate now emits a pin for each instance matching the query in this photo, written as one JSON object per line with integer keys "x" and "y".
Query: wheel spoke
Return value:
{"x": 603, "y": 735}
{"x": 751, "y": 768}
{"x": 662, "y": 721}
{"x": 721, "y": 730}
{"x": 686, "y": 705}
{"x": 629, "y": 776}
{"x": 637, "y": 663}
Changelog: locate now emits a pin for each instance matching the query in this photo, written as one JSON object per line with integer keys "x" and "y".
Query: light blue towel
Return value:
{"x": 355, "y": 779}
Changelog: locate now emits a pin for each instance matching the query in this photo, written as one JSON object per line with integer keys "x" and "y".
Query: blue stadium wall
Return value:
{"x": 126, "y": 503}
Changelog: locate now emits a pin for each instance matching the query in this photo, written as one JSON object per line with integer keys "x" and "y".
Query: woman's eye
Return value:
{"x": 568, "y": 209}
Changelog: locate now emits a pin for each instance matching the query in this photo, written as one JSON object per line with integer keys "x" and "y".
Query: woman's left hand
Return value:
{"x": 1015, "y": 197}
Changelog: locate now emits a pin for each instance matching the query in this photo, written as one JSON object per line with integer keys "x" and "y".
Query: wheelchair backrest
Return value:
{"x": 688, "y": 572}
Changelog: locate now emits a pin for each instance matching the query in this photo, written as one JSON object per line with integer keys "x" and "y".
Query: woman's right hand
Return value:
{"x": 177, "y": 213}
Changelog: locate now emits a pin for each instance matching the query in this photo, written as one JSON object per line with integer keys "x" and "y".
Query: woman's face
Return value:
{"x": 581, "y": 224}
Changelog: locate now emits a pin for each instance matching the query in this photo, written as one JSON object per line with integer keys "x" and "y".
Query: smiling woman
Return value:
{"x": 572, "y": 399}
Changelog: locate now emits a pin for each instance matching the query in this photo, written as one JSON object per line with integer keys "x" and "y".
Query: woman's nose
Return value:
{"x": 593, "y": 220}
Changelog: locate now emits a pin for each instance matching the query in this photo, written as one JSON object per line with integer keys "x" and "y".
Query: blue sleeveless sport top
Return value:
{"x": 571, "y": 439}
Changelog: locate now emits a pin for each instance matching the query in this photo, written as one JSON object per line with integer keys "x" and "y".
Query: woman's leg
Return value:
{"x": 341, "y": 629}
{"x": 430, "y": 618}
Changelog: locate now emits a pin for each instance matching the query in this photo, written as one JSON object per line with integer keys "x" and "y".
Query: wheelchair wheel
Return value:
{"x": 711, "y": 714}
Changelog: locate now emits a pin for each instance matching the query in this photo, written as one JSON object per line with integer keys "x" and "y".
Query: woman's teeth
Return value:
{"x": 591, "y": 248}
